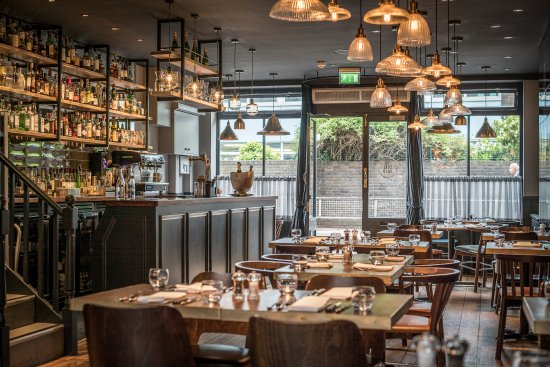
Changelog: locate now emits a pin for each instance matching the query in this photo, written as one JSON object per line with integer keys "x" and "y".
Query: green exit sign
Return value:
{"x": 349, "y": 76}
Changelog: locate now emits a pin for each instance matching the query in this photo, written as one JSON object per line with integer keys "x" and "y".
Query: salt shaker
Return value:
{"x": 455, "y": 349}
{"x": 427, "y": 346}
{"x": 354, "y": 235}
{"x": 434, "y": 227}
{"x": 346, "y": 235}
{"x": 347, "y": 250}
{"x": 238, "y": 285}
{"x": 254, "y": 286}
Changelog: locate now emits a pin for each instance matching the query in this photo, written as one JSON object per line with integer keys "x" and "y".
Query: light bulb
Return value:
{"x": 414, "y": 26}
{"x": 387, "y": 18}
{"x": 300, "y": 5}
{"x": 234, "y": 103}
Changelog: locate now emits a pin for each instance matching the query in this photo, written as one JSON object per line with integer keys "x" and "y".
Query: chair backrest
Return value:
{"x": 285, "y": 258}
{"x": 150, "y": 336}
{"x": 214, "y": 275}
{"x": 331, "y": 281}
{"x": 418, "y": 227}
{"x": 295, "y": 249}
{"x": 520, "y": 236}
{"x": 278, "y": 228}
{"x": 444, "y": 280}
{"x": 265, "y": 268}
{"x": 284, "y": 344}
{"x": 514, "y": 229}
{"x": 530, "y": 269}
{"x": 438, "y": 263}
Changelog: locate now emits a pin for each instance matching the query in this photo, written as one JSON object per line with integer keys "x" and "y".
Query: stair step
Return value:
{"x": 35, "y": 344}
{"x": 20, "y": 310}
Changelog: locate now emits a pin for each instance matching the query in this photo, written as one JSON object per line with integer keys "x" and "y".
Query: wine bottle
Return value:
{"x": 204, "y": 59}
{"x": 187, "y": 48}
{"x": 195, "y": 54}
{"x": 174, "y": 46}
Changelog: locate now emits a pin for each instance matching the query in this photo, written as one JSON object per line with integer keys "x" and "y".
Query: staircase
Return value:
{"x": 36, "y": 331}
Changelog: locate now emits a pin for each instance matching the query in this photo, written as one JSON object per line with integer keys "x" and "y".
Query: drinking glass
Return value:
{"x": 158, "y": 278}
{"x": 392, "y": 249}
{"x": 392, "y": 226}
{"x": 287, "y": 283}
{"x": 363, "y": 298}
{"x": 335, "y": 236}
{"x": 322, "y": 253}
{"x": 494, "y": 230}
{"x": 211, "y": 291}
{"x": 499, "y": 240}
{"x": 458, "y": 220}
{"x": 299, "y": 263}
{"x": 414, "y": 239}
{"x": 296, "y": 233}
{"x": 377, "y": 257}
{"x": 365, "y": 236}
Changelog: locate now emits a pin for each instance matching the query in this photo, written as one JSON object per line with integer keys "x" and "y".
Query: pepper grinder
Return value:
{"x": 355, "y": 235}
{"x": 455, "y": 349}
{"x": 427, "y": 346}
{"x": 347, "y": 250}
{"x": 238, "y": 285}
{"x": 346, "y": 235}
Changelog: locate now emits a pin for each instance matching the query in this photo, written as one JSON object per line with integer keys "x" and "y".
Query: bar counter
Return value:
{"x": 185, "y": 235}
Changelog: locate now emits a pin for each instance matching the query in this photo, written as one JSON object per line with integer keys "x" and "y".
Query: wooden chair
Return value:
{"x": 520, "y": 276}
{"x": 284, "y": 344}
{"x": 265, "y": 268}
{"x": 480, "y": 263}
{"x": 149, "y": 336}
{"x": 443, "y": 280}
{"x": 331, "y": 281}
{"x": 278, "y": 228}
{"x": 214, "y": 275}
{"x": 521, "y": 236}
{"x": 438, "y": 263}
{"x": 295, "y": 249}
{"x": 514, "y": 229}
{"x": 284, "y": 258}
{"x": 425, "y": 236}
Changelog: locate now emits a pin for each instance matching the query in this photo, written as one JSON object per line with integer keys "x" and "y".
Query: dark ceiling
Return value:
{"x": 291, "y": 49}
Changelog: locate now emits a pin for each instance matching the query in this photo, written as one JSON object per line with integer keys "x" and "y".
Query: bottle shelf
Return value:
{"x": 125, "y": 115}
{"x": 127, "y": 145}
{"x": 82, "y": 106}
{"x": 81, "y": 72}
{"x": 24, "y": 55}
{"x": 31, "y": 134}
{"x": 28, "y": 96}
{"x": 187, "y": 100}
{"x": 74, "y": 139}
{"x": 189, "y": 64}
{"x": 125, "y": 84}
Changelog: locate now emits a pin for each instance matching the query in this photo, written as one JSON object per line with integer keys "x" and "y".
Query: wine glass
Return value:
{"x": 377, "y": 257}
{"x": 392, "y": 249}
{"x": 287, "y": 283}
{"x": 365, "y": 236}
{"x": 322, "y": 253}
{"x": 158, "y": 278}
{"x": 211, "y": 291}
{"x": 296, "y": 233}
{"x": 414, "y": 239}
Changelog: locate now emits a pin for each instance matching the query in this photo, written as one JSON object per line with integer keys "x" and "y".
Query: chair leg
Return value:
{"x": 501, "y": 327}
{"x": 493, "y": 290}
{"x": 476, "y": 276}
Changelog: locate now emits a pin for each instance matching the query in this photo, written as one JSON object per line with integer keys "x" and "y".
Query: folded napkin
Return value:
{"x": 335, "y": 256}
{"x": 309, "y": 304}
{"x": 339, "y": 293}
{"x": 160, "y": 297}
{"x": 313, "y": 240}
{"x": 363, "y": 266}
{"x": 319, "y": 265}
{"x": 386, "y": 241}
{"x": 189, "y": 288}
{"x": 394, "y": 258}
{"x": 526, "y": 244}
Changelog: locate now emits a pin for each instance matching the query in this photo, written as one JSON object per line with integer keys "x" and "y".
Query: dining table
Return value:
{"x": 390, "y": 233}
{"x": 517, "y": 248}
{"x": 231, "y": 316}
{"x": 537, "y": 313}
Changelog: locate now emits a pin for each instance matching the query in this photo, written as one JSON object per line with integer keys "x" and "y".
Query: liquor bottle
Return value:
{"x": 22, "y": 38}
{"x": 28, "y": 78}
{"x": 123, "y": 71}
{"x": 86, "y": 60}
{"x": 97, "y": 62}
{"x": 204, "y": 59}
{"x": 195, "y": 54}
{"x": 29, "y": 42}
{"x": 187, "y": 48}
{"x": 72, "y": 52}
{"x": 3, "y": 30}
{"x": 132, "y": 188}
{"x": 114, "y": 67}
{"x": 120, "y": 186}
{"x": 114, "y": 135}
{"x": 50, "y": 47}
{"x": 174, "y": 46}
{"x": 35, "y": 44}
{"x": 14, "y": 34}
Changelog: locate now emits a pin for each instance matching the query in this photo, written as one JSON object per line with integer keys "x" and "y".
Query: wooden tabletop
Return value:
{"x": 387, "y": 308}
{"x": 387, "y": 233}
{"x": 422, "y": 247}
{"x": 492, "y": 249}
{"x": 488, "y": 236}
{"x": 389, "y": 277}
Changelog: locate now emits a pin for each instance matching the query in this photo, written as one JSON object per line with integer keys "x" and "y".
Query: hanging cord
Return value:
{"x": 456, "y": 49}
{"x": 485, "y": 91}
{"x": 195, "y": 16}
{"x": 252, "y": 81}
{"x": 234, "y": 67}
{"x": 273, "y": 94}
{"x": 436, "y": 25}
{"x": 380, "y": 45}
{"x": 448, "y": 33}
{"x": 360, "y": 13}
{"x": 218, "y": 45}
{"x": 169, "y": 22}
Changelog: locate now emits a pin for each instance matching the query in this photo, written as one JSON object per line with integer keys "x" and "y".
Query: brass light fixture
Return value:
{"x": 461, "y": 120}
{"x": 431, "y": 119}
{"x": 380, "y": 97}
{"x": 216, "y": 93}
{"x": 486, "y": 131}
{"x": 273, "y": 126}
{"x": 235, "y": 101}
{"x": 337, "y": 13}
{"x": 453, "y": 96}
{"x": 398, "y": 64}
{"x": 386, "y": 14}
{"x": 251, "y": 107}
{"x": 228, "y": 133}
{"x": 397, "y": 107}
{"x": 416, "y": 124}
{"x": 436, "y": 69}
{"x": 360, "y": 49}
{"x": 239, "y": 123}
{"x": 414, "y": 32}
{"x": 443, "y": 128}
{"x": 300, "y": 11}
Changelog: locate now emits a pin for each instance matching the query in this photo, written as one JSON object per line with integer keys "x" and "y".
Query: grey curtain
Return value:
{"x": 415, "y": 173}
{"x": 301, "y": 212}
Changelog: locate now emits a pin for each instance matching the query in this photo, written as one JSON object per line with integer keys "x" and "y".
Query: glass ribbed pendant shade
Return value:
{"x": 251, "y": 108}
{"x": 461, "y": 120}
{"x": 448, "y": 81}
{"x": 420, "y": 84}
{"x": 416, "y": 124}
{"x": 239, "y": 123}
{"x": 398, "y": 64}
{"x": 386, "y": 13}
{"x": 300, "y": 11}
{"x": 436, "y": 69}
{"x": 453, "y": 96}
{"x": 459, "y": 109}
{"x": 360, "y": 48}
{"x": 431, "y": 119}
{"x": 228, "y": 133}
{"x": 337, "y": 13}
{"x": 217, "y": 95}
{"x": 397, "y": 107}
{"x": 234, "y": 102}
{"x": 414, "y": 32}
{"x": 193, "y": 89}
{"x": 446, "y": 115}
{"x": 273, "y": 127}
{"x": 486, "y": 131}
{"x": 380, "y": 97}
{"x": 443, "y": 128}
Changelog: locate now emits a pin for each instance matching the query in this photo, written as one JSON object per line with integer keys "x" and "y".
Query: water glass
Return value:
{"x": 494, "y": 230}
{"x": 458, "y": 220}
{"x": 363, "y": 298}
{"x": 335, "y": 236}
{"x": 158, "y": 278}
{"x": 365, "y": 236}
{"x": 287, "y": 283}
{"x": 414, "y": 239}
{"x": 322, "y": 253}
{"x": 392, "y": 226}
{"x": 296, "y": 234}
{"x": 377, "y": 257}
{"x": 392, "y": 249}
{"x": 499, "y": 240}
{"x": 211, "y": 291}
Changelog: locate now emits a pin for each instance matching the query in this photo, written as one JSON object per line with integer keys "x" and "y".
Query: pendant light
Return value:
{"x": 486, "y": 131}
{"x": 239, "y": 122}
{"x": 421, "y": 85}
{"x": 167, "y": 80}
{"x": 461, "y": 120}
{"x": 397, "y": 107}
{"x": 416, "y": 124}
{"x": 337, "y": 13}
{"x": 380, "y": 97}
{"x": 216, "y": 94}
{"x": 386, "y": 14}
{"x": 398, "y": 64}
{"x": 228, "y": 133}
{"x": 431, "y": 119}
{"x": 360, "y": 49}
{"x": 235, "y": 101}
{"x": 251, "y": 107}
{"x": 453, "y": 96}
{"x": 414, "y": 32}
{"x": 436, "y": 69}
{"x": 443, "y": 128}
{"x": 194, "y": 89}
{"x": 300, "y": 11}
{"x": 449, "y": 80}
{"x": 273, "y": 126}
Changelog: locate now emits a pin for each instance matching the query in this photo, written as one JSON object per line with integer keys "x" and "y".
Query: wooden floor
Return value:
{"x": 468, "y": 314}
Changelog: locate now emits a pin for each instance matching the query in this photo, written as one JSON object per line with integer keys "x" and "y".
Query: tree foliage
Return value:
{"x": 253, "y": 151}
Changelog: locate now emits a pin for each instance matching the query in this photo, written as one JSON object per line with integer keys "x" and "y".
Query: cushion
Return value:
{"x": 220, "y": 354}
{"x": 411, "y": 324}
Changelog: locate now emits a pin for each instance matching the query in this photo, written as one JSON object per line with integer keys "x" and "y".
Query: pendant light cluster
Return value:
{"x": 216, "y": 93}
{"x": 235, "y": 100}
